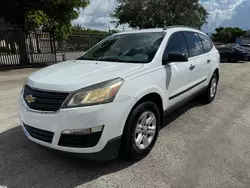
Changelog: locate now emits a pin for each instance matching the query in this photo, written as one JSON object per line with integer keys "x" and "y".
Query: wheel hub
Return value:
{"x": 213, "y": 87}
{"x": 145, "y": 130}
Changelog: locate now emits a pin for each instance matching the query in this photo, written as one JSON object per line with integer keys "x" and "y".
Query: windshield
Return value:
{"x": 133, "y": 48}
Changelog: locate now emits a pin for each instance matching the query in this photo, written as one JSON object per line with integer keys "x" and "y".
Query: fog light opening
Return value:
{"x": 84, "y": 131}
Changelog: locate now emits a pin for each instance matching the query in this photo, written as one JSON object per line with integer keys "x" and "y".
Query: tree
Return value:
{"x": 55, "y": 16}
{"x": 160, "y": 13}
{"x": 51, "y": 15}
{"x": 81, "y": 39}
{"x": 248, "y": 33}
{"x": 228, "y": 34}
{"x": 80, "y": 30}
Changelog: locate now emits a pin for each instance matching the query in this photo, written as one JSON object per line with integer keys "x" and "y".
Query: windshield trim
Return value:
{"x": 113, "y": 61}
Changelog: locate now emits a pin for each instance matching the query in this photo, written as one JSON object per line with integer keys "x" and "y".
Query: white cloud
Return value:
{"x": 222, "y": 13}
{"x": 240, "y": 17}
{"x": 97, "y": 14}
{"x": 226, "y": 12}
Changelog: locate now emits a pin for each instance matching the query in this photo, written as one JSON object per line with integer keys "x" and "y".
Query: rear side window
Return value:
{"x": 177, "y": 44}
{"x": 194, "y": 44}
{"x": 207, "y": 44}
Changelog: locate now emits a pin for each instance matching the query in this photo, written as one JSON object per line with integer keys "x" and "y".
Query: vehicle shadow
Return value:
{"x": 25, "y": 164}
{"x": 170, "y": 117}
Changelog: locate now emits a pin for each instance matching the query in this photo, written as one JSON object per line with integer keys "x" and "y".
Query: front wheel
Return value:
{"x": 141, "y": 131}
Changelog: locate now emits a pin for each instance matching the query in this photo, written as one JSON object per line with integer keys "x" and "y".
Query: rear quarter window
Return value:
{"x": 206, "y": 42}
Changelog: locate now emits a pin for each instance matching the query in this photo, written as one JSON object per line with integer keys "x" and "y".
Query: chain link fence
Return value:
{"x": 76, "y": 44}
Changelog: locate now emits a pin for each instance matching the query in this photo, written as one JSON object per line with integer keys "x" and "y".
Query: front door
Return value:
{"x": 179, "y": 73}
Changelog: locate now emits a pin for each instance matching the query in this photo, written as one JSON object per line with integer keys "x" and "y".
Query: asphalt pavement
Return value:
{"x": 201, "y": 146}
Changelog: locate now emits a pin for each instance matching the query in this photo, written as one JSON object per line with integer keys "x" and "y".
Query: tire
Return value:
{"x": 131, "y": 147}
{"x": 231, "y": 60}
{"x": 208, "y": 96}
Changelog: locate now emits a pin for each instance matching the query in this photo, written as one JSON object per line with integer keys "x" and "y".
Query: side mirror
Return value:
{"x": 174, "y": 57}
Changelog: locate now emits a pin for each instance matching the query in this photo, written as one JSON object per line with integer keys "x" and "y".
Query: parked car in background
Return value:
{"x": 234, "y": 53}
{"x": 245, "y": 45}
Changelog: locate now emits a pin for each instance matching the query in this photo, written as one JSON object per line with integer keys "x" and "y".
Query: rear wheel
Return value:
{"x": 211, "y": 90}
{"x": 232, "y": 60}
{"x": 141, "y": 131}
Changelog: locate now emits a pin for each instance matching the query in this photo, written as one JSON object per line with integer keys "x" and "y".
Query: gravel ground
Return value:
{"x": 200, "y": 146}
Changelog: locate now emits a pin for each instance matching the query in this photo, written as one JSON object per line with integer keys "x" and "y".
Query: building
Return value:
{"x": 243, "y": 40}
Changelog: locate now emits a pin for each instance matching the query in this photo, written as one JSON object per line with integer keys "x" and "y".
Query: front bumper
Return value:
{"x": 112, "y": 115}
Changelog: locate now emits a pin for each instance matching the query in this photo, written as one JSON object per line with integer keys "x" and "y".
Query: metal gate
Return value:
{"x": 21, "y": 49}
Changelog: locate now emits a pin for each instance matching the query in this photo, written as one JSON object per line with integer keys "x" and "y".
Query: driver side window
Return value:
{"x": 177, "y": 44}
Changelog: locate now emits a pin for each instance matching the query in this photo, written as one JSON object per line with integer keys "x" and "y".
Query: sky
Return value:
{"x": 235, "y": 13}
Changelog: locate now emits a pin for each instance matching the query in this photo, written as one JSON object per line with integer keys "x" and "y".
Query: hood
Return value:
{"x": 76, "y": 74}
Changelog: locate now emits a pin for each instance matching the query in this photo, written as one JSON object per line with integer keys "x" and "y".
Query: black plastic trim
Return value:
{"x": 108, "y": 153}
{"x": 80, "y": 141}
{"x": 186, "y": 90}
{"x": 186, "y": 100}
{"x": 49, "y": 101}
{"x": 45, "y": 136}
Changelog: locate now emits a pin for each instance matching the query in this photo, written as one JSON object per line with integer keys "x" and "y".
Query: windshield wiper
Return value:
{"x": 85, "y": 58}
{"x": 110, "y": 59}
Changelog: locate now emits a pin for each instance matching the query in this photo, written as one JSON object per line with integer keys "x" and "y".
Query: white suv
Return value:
{"x": 112, "y": 99}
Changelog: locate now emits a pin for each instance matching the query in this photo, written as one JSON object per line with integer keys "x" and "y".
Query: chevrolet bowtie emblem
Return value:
{"x": 30, "y": 99}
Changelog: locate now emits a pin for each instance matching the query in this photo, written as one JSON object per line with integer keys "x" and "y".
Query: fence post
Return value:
{"x": 63, "y": 46}
{"x": 31, "y": 51}
{"x": 50, "y": 42}
{"x": 21, "y": 42}
{"x": 54, "y": 45}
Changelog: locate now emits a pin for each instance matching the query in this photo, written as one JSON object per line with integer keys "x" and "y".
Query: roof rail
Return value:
{"x": 174, "y": 26}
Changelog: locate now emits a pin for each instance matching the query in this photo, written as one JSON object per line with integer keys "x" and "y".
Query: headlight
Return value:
{"x": 103, "y": 92}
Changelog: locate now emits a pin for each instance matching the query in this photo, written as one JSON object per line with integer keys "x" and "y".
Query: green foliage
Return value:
{"x": 81, "y": 39}
{"x": 228, "y": 34}
{"x": 57, "y": 15}
{"x": 79, "y": 30}
{"x": 51, "y": 15}
{"x": 35, "y": 19}
{"x": 160, "y": 13}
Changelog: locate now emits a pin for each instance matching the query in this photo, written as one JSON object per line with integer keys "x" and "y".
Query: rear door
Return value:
{"x": 209, "y": 54}
{"x": 179, "y": 71}
{"x": 198, "y": 61}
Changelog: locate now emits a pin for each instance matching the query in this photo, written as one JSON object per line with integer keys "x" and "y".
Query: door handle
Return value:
{"x": 191, "y": 67}
{"x": 209, "y": 60}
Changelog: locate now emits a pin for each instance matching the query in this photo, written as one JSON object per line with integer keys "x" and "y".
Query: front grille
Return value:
{"x": 79, "y": 141}
{"x": 39, "y": 134}
{"x": 44, "y": 100}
